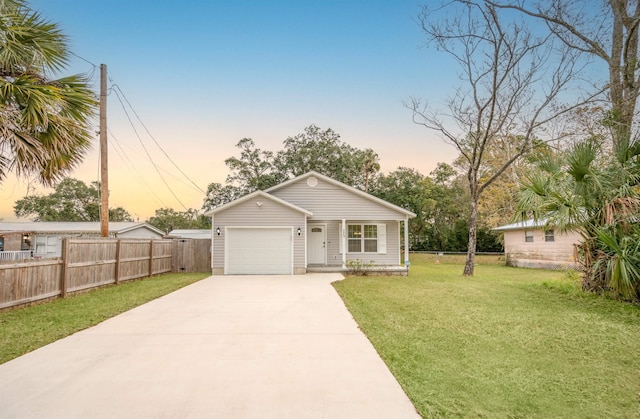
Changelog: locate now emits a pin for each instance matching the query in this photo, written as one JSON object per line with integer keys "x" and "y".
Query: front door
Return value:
{"x": 316, "y": 244}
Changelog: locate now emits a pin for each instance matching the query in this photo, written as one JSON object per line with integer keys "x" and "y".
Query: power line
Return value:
{"x": 84, "y": 59}
{"x": 147, "y": 151}
{"x": 177, "y": 178}
{"x": 156, "y": 142}
{"x": 94, "y": 67}
{"x": 123, "y": 155}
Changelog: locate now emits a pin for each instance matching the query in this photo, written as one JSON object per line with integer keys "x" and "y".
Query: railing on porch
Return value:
{"x": 15, "y": 255}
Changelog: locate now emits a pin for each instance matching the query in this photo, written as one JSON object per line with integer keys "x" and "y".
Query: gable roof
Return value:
{"x": 256, "y": 194}
{"x": 74, "y": 227}
{"x": 345, "y": 187}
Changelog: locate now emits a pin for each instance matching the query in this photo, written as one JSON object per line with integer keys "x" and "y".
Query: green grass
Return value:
{"x": 506, "y": 343}
{"x": 26, "y": 329}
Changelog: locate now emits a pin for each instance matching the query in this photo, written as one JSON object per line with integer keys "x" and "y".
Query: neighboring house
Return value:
{"x": 44, "y": 239}
{"x": 531, "y": 244}
{"x": 308, "y": 223}
{"x": 189, "y": 234}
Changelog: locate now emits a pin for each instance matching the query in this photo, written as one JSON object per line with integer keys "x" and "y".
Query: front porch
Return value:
{"x": 357, "y": 247}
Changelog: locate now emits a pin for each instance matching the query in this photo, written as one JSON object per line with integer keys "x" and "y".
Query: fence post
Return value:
{"x": 65, "y": 268}
{"x": 118, "y": 261}
{"x": 151, "y": 257}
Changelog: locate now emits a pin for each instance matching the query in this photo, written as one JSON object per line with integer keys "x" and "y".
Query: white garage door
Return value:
{"x": 258, "y": 251}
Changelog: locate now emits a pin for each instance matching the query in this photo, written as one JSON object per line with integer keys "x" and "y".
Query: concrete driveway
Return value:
{"x": 225, "y": 347}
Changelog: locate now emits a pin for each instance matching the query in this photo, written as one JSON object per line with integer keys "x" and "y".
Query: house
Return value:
{"x": 189, "y": 234}
{"x": 44, "y": 239}
{"x": 531, "y": 244}
{"x": 308, "y": 223}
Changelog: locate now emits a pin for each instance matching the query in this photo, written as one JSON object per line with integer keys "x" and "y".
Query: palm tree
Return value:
{"x": 44, "y": 122}
{"x": 597, "y": 194}
{"x": 370, "y": 166}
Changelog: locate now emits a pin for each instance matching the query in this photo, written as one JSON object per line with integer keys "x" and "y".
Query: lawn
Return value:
{"x": 508, "y": 342}
{"x": 25, "y": 329}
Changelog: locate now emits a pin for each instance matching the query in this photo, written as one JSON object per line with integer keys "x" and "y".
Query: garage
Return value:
{"x": 258, "y": 250}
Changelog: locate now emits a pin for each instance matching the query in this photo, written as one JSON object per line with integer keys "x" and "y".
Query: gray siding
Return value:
{"x": 331, "y": 202}
{"x": 391, "y": 257}
{"x": 269, "y": 214}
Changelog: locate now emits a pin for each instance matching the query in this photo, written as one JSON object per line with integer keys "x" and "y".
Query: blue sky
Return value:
{"x": 204, "y": 74}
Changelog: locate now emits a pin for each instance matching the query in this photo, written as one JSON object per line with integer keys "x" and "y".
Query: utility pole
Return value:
{"x": 104, "y": 167}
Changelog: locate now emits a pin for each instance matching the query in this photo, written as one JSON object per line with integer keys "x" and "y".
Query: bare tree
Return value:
{"x": 607, "y": 30}
{"x": 511, "y": 83}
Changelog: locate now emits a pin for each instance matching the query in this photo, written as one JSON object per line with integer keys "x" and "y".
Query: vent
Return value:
{"x": 312, "y": 181}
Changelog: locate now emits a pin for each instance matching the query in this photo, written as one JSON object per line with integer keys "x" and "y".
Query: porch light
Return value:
{"x": 218, "y": 231}
{"x": 299, "y": 231}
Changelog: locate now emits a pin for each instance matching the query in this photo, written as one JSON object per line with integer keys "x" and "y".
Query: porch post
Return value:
{"x": 406, "y": 241}
{"x": 213, "y": 239}
{"x": 343, "y": 237}
{"x": 306, "y": 239}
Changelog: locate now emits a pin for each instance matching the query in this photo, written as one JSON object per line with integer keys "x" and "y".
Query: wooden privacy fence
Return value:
{"x": 90, "y": 263}
{"x": 192, "y": 255}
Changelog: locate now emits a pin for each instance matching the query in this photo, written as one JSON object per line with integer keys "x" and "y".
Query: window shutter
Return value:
{"x": 382, "y": 238}
{"x": 340, "y": 238}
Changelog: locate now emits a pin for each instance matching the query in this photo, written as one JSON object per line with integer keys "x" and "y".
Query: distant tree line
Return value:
{"x": 441, "y": 222}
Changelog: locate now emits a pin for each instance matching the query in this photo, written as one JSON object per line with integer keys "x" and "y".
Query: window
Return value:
{"x": 355, "y": 238}
{"x": 371, "y": 238}
{"x": 549, "y": 236}
{"x": 528, "y": 236}
{"x": 363, "y": 238}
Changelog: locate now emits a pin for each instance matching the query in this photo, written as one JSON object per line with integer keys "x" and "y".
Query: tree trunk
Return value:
{"x": 471, "y": 246}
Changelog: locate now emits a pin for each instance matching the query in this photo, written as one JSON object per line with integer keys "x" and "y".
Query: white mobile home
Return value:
{"x": 44, "y": 239}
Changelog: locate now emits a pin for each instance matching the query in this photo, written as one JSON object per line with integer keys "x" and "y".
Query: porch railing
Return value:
{"x": 15, "y": 255}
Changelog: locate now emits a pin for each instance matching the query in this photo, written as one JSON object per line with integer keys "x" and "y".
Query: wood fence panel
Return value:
{"x": 192, "y": 255}
{"x": 24, "y": 282}
{"x": 162, "y": 256}
{"x": 134, "y": 259}
{"x": 90, "y": 263}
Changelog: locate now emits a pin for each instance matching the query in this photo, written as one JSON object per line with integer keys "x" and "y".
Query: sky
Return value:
{"x": 201, "y": 75}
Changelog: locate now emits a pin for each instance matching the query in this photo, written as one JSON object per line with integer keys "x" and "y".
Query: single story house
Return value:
{"x": 308, "y": 223}
{"x": 532, "y": 244}
{"x": 44, "y": 239}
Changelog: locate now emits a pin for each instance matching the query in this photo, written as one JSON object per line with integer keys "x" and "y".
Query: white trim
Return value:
{"x": 381, "y": 234}
{"x": 406, "y": 241}
{"x": 306, "y": 263}
{"x": 399, "y": 245}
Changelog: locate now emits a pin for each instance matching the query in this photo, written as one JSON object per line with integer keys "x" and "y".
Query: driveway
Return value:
{"x": 224, "y": 347}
